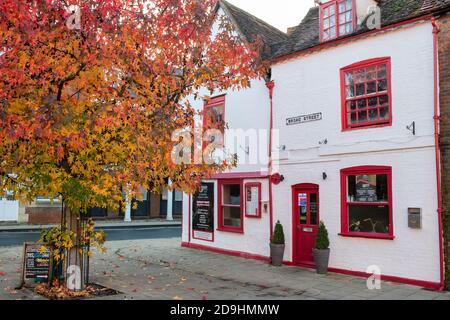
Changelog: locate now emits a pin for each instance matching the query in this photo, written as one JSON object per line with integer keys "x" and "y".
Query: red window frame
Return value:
{"x": 335, "y": 4}
{"x": 345, "y": 204}
{"x": 345, "y": 111}
{"x": 220, "y": 225}
{"x": 253, "y": 185}
{"x": 210, "y": 103}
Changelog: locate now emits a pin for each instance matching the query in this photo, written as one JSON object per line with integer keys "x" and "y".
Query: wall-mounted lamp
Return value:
{"x": 323, "y": 142}
{"x": 412, "y": 127}
{"x": 324, "y": 175}
{"x": 282, "y": 147}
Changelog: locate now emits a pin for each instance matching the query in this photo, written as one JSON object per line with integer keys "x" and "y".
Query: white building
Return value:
{"x": 354, "y": 111}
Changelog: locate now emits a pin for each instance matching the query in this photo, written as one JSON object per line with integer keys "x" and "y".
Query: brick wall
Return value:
{"x": 444, "y": 73}
{"x": 43, "y": 215}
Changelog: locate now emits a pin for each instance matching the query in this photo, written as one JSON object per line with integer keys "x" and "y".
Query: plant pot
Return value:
{"x": 276, "y": 254}
{"x": 321, "y": 258}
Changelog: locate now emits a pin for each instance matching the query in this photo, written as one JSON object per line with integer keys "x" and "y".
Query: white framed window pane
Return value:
{"x": 164, "y": 195}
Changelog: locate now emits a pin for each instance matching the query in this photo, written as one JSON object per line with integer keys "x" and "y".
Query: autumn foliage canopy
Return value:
{"x": 88, "y": 112}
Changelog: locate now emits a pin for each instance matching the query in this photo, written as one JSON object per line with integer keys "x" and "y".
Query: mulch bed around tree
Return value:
{"x": 62, "y": 293}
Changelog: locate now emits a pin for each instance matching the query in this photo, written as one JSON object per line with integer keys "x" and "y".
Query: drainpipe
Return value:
{"x": 270, "y": 85}
{"x": 438, "y": 151}
{"x": 189, "y": 226}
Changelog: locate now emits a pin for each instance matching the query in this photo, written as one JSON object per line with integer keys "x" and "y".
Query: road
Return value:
{"x": 18, "y": 238}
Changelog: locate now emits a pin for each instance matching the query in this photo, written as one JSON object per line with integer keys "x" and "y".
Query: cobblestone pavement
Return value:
{"x": 161, "y": 269}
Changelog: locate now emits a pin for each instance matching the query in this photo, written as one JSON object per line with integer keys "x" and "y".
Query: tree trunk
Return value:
{"x": 74, "y": 259}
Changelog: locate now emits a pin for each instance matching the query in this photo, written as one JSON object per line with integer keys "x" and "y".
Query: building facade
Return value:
{"x": 353, "y": 102}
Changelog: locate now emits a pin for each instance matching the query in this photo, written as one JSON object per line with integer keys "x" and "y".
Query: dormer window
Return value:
{"x": 337, "y": 18}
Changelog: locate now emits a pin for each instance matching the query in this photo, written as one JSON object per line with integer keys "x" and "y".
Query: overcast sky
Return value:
{"x": 279, "y": 13}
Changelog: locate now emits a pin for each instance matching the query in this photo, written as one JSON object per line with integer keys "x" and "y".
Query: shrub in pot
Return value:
{"x": 322, "y": 250}
{"x": 277, "y": 245}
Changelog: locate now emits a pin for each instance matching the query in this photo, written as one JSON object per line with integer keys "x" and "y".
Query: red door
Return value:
{"x": 305, "y": 222}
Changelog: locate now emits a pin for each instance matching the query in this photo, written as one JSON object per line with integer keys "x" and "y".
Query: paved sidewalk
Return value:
{"x": 161, "y": 269}
{"x": 115, "y": 224}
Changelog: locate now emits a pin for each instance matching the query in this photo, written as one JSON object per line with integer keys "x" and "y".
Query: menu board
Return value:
{"x": 37, "y": 261}
{"x": 366, "y": 188}
{"x": 203, "y": 213}
{"x": 252, "y": 201}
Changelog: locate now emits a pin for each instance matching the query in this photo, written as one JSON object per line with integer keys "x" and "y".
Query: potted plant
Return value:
{"x": 322, "y": 251}
{"x": 277, "y": 245}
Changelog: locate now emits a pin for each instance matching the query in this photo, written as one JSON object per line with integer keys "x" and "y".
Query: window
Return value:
{"x": 366, "y": 94}
{"x": 178, "y": 195}
{"x": 253, "y": 200}
{"x": 230, "y": 206}
{"x": 367, "y": 202}
{"x": 337, "y": 18}
{"x": 214, "y": 117}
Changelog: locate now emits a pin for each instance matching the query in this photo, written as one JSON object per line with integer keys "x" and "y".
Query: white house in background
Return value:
{"x": 354, "y": 105}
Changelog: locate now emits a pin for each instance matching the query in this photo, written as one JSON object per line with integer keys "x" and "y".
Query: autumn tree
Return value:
{"x": 88, "y": 106}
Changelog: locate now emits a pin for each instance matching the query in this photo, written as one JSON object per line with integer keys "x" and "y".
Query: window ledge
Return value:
{"x": 371, "y": 126}
{"x": 230, "y": 230}
{"x": 252, "y": 216}
{"x": 367, "y": 236}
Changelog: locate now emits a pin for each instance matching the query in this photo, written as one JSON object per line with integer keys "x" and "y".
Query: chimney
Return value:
{"x": 291, "y": 30}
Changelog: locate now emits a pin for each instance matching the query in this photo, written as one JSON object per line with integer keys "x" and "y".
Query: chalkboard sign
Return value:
{"x": 203, "y": 213}
{"x": 37, "y": 263}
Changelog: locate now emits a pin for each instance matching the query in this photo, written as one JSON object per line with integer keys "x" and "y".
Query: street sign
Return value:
{"x": 303, "y": 119}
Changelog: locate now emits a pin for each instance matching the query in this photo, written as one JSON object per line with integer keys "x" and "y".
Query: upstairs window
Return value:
{"x": 337, "y": 18}
{"x": 214, "y": 113}
{"x": 214, "y": 118}
{"x": 366, "y": 94}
